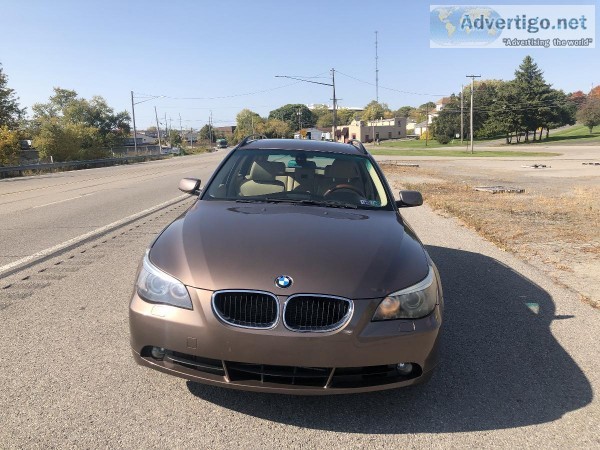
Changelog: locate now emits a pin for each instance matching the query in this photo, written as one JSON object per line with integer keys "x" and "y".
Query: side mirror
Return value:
{"x": 409, "y": 198}
{"x": 189, "y": 185}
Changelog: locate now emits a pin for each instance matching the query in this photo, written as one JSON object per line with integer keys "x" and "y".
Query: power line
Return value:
{"x": 389, "y": 88}
{"x": 151, "y": 96}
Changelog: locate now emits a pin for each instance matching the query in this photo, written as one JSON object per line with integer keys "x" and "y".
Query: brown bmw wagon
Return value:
{"x": 294, "y": 272}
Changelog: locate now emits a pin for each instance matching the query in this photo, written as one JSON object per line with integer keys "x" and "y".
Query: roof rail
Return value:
{"x": 252, "y": 137}
{"x": 359, "y": 145}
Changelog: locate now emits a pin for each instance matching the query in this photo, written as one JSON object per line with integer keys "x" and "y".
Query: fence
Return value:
{"x": 17, "y": 171}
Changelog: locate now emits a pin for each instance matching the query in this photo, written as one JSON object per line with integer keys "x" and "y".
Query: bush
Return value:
{"x": 426, "y": 135}
{"x": 9, "y": 147}
{"x": 443, "y": 139}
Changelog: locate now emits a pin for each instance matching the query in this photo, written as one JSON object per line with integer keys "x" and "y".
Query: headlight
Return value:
{"x": 411, "y": 303}
{"x": 156, "y": 286}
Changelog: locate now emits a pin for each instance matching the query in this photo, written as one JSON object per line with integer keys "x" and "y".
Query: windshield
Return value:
{"x": 317, "y": 178}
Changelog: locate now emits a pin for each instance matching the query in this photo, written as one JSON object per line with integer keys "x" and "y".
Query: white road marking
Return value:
{"x": 92, "y": 233}
{"x": 61, "y": 201}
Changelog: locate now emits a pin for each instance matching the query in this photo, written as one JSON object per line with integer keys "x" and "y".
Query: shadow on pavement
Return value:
{"x": 501, "y": 366}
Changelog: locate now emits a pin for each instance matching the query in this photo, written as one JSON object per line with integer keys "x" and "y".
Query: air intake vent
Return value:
{"x": 316, "y": 313}
{"x": 246, "y": 309}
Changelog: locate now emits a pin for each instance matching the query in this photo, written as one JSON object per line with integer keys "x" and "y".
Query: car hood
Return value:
{"x": 341, "y": 252}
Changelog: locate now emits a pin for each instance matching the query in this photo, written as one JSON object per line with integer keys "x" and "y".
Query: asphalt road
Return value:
{"x": 521, "y": 362}
{"x": 40, "y": 212}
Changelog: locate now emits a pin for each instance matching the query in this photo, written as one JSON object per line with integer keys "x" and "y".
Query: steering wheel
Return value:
{"x": 348, "y": 187}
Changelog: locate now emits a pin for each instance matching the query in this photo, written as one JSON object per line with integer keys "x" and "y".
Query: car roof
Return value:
{"x": 302, "y": 144}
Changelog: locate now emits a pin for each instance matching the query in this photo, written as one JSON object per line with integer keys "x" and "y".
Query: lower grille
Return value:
{"x": 246, "y": 308}
{"x": 299, "y": 376}
{"x": 316, "y": 313}
{"x": 248, "y": 374}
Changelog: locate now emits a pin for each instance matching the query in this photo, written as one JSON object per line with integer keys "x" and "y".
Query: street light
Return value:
{"x": 332, "y": 84}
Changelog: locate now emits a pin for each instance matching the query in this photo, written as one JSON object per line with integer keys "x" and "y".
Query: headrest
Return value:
{"x": 342, "y": 168}
{"x": 266, "y": 170}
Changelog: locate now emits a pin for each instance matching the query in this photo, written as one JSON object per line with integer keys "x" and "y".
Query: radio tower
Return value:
{"x": 376, "y": 71}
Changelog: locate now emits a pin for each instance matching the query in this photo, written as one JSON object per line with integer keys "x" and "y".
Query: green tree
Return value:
{"x": 447, "y": 124}
{"x": 67, "y": 108}
{"x": 295, "y": 115}
{"x": 275, "y": 128}
{"x": 10, "y": 112}
{"x": 375, "y": 110}
{"x": 504, "y": 118}
{"x": 323, "y": 116}
{"x": 61, "y": 141}
{"x": 560, "y": 112}
{"x": 248, "y": 122}
{"x": 9, "y": 146}
{"x": 207, "y": 133}
{"x": 534, "y": 94}
{"x": 344, "y": 116}
{"x": 589, "y": 114}
{"x": 175, "y": 138}
{"x": 404, "y": 111}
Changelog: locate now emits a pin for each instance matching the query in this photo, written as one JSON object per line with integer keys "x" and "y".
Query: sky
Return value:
{"x": 223, "y": 56}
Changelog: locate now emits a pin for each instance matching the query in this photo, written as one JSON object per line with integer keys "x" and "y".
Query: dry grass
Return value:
{"x": 559, "y": 229}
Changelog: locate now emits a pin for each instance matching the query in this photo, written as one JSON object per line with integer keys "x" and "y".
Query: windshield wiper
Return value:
{"x": 330, "y": 203}
{"x": 253, "y": 200}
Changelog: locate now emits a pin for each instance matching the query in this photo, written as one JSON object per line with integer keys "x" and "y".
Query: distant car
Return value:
{"x": 221, "y": 143}
{"x": 294, "y": 272}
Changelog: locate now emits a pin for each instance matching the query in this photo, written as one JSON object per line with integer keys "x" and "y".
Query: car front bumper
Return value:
{"x": 359, "y": 357}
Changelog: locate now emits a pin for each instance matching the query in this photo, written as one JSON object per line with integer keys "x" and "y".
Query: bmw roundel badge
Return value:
{"x": 283, "y": 281}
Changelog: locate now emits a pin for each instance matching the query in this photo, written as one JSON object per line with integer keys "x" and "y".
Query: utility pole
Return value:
{"x": 210, "y": 128}
{"x": 134, "y": 128}
{"x": 166, "y": 129}
{"x": 180, "y": 127}
{"x": 462, "y": 118}
{"x": 472, "y": 77}
{"x": 376, "y": 71}
{"x": 299, "y": 113}
{"x": 323, "y": 84}
{"x": 158, "y": 129}
{"x": 334, "y": 105}
{"x": 427, "y": 129}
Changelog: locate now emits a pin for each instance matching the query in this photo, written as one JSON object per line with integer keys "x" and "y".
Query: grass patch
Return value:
{"x": 461, "y": 153}
{"x": 551, "y": 228}
{"x": 578, "y": 133}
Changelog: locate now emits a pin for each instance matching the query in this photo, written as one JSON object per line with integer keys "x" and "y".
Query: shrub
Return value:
{"x": 9, "y": 147}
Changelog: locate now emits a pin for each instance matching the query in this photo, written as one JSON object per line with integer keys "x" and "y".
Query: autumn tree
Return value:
{"x": 595, "y": 92}
{"x": 577, "y": 98}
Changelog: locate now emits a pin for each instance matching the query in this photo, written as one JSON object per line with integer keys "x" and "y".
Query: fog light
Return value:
{"x": 404, "y": 368}
{"x": 158, "y": 352}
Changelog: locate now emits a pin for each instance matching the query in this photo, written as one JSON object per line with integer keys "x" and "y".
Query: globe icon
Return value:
{"x": 458, "y": 26}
